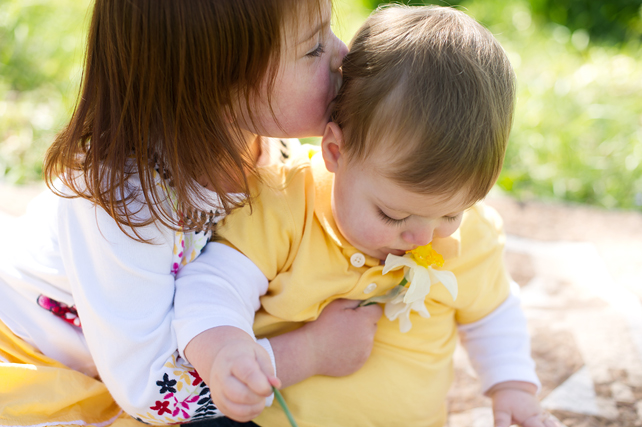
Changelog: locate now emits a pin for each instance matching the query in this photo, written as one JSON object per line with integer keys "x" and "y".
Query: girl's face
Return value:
{"x": 308, "y": 80}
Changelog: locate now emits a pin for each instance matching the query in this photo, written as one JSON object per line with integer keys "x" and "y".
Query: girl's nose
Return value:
{"x": 340, "y": 51}
{"x": 418, "y": 237}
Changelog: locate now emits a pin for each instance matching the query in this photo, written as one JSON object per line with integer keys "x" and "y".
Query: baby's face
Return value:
{"x": 380, "y": 217}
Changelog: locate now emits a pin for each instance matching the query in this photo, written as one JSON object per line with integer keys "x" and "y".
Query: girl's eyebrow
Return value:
{"x": 315, "y": 31}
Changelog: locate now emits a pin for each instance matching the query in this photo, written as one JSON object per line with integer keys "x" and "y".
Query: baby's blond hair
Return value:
{"x": 434, "y": 90}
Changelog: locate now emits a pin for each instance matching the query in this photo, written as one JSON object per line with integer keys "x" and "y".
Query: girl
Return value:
{"x": 158, "y": 149}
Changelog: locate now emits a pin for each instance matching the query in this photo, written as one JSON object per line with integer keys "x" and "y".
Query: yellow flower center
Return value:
{"x": 426, "y": 256}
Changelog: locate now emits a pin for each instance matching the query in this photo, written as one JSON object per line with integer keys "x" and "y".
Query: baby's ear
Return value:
{"x": 332, "y": 146}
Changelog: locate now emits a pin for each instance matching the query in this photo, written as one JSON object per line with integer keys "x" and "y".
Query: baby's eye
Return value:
{"x": 317, "y": 51}
{"x": 451, "y": 218}
{"x": 389, "y": 220}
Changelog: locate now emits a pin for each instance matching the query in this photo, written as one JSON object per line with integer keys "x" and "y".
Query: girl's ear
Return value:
{"x": 332, "y": 146}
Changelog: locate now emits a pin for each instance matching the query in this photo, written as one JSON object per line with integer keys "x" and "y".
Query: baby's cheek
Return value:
{"x": 447, "y": 230}
{"x": 377, "y": 236}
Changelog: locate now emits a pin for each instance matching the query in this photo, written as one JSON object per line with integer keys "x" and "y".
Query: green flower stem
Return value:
{"x": 367, "y": 303}
{"x": 384, "y": 298}
{"x": 279, "y": 397}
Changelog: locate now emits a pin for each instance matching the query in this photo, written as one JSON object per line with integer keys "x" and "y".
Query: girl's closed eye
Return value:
{"x": 452, "y": 218}
{"x": 389, "y": 220}
{"x": 317, "y": 51}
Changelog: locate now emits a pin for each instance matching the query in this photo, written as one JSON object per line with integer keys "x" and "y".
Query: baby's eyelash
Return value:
{"x": 451, "y": 218}
{"x": 389, "y": 220}
{"x": 320, "y": 49}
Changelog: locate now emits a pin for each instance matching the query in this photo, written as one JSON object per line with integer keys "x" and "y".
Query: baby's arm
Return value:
{"x": 499, "y": 345}
{"x": 499, "y": 348}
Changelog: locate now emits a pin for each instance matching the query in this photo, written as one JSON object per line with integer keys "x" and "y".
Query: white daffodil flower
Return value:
{"x": 397, "y": 308}
{"x": 421, "y": 275}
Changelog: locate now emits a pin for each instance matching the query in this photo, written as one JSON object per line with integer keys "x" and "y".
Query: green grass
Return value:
{"x": 577, "y": 134}
{"x": 578, "y": 127}
{"x": 40, "y": 56}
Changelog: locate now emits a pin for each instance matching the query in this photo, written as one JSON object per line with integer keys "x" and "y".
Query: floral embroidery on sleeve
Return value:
{"x": 183, "y": 396}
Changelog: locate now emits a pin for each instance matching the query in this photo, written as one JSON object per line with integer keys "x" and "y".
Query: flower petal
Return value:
{"x": 393, "y": 310}
{"x": 448, "y": 279}
{"x": 419, "y": 285}
{"x": 404, "y": 321}
{"x": 394, "y": 262}
{"x": 420, "y": 307}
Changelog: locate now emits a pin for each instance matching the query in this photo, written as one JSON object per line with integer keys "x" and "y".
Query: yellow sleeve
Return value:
{"x": 480, "y": 269}
{"x": 268, "y": 231}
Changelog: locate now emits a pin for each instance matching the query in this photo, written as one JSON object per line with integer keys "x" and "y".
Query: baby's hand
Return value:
{"x": 342, "y": 337}
{"x": 514, "y": 402}
{"x": 241, "y": 378}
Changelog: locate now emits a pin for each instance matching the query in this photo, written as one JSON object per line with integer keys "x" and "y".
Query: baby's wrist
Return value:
{"x": 295, "y": 357}
{"x": 512, "y": 385}
{"x": 314, "y": 363}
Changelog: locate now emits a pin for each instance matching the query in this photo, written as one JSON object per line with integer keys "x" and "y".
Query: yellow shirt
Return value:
{"x": 290, "y": 234}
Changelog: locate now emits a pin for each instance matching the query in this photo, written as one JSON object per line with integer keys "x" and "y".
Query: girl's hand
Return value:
{"x": 514, "y": 402}
{"x": 240, "y": 379}
{"x": 237, "y": 370}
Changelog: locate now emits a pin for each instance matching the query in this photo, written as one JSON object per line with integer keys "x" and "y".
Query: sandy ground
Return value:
{"x": 580, "y": 273}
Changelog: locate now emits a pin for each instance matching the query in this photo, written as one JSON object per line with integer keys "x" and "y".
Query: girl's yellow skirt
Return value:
{"x": 36, "y": 390}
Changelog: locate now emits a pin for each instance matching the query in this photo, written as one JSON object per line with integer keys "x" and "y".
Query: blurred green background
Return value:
{"x": 578, "y": 128}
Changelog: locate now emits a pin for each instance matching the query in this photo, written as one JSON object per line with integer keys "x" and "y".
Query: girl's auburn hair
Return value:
{"x": 159, "y": 80}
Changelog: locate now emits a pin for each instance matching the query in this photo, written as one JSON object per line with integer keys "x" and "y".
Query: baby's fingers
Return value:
{"x": 502, "y": 419}
{"x": 373, "y": 312}
{"x": 543, "y": 419}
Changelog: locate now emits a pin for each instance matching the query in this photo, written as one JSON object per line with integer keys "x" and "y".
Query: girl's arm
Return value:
{"x": 124, "y": 292}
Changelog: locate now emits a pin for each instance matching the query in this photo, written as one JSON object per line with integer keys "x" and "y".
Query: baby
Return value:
{"x": 417, "y": 140}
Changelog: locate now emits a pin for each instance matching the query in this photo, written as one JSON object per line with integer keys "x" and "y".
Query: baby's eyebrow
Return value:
{"x": 390, "y": 208}
{"x": 423, "y": 214}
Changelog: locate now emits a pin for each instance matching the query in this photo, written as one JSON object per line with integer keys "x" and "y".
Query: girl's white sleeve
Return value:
{"x": 220, "y": 288}
{"x": 124, "y": 293}
{"x": 499, "y": 345}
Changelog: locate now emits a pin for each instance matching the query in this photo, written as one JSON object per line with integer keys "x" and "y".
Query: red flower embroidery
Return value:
{"x": 197, "y": 377}
{"x": 161, "y": 407}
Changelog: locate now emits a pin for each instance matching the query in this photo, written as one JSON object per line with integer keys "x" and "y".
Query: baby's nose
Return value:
{"x": 419, "y": 237}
